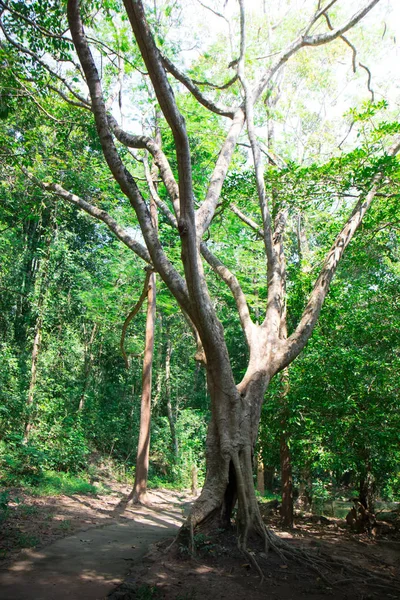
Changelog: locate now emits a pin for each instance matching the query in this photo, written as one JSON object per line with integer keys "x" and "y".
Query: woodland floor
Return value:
{"x": 98, "y": 541}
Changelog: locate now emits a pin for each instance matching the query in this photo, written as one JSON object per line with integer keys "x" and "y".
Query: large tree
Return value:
{"x": 37, "y": 31}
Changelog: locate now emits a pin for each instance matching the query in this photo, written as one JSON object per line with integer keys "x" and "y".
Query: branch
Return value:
{"x": 224, "y": 111}
{"x": 275, "y": 292}
{"x": 299, "y": 338}
{"x": 165, "y": 96}
{"x": 123, "y": 177}
{"x": 318, "y": 15}
{"x": 247, "y": 220}
{"x": 156, "y": 198}
{"x": 98, "y": 213}
{"x": 305, "y": 40}
{"x": 371, "y": 91}
{"x": 221, "y": 16}
{"x": 224, "y": 86}
{"x": 142, "y": 141}
{"x": 354, "y": 63}
{"x": 205, "y": 212}
{"x": 133, "y": 314}
{"x": 233, "y": 284}
{"x": 36, "y": 58}
{"x": 324, "y": 38}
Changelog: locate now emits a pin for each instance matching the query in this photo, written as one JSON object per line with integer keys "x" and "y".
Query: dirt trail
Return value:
{"x": 92, "y": 562}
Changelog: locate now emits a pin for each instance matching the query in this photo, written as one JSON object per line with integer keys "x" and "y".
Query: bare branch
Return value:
{"x": 172, "y": 220}
{"x": 354, "y": 58}
{"x": 275, "y": 296}
{"x": 324, "y": 38}
{"x": 314, "y": 40}
{"x": 346, "y": 41}
{"x": 221, "y": 16}
{"x": 133, "y": 314}
{"x": 98, "y": 213}
{"x": 233, "y": 284}
{"x": 125, "y": 180}
{"x": 369, "y": 81}
{"x": 142, "y": 141}
{"x": 248, "y": 221}
{"x": 205, "y": 212}
{"x": 318, "y": 15}
{"x": 224, "y": 111}
{"x": 224, "y": 86}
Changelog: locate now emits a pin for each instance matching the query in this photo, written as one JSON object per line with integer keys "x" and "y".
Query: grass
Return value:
{"x": 54, "y": 483}
{"x": 26, "y": 540}
{"x": 267, "y": 497}
{"x": 66, "y": 525}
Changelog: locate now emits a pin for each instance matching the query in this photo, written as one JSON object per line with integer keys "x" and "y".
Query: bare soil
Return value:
{"x": 35, "y": 526}
{"x": 219, "y": 570}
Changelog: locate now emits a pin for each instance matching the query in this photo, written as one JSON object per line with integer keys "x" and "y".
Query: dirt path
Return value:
{"x": 90, "y": 563}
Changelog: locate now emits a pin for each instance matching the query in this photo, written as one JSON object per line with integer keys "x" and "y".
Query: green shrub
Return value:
{"x": 20, "y": 464}
{"x": 63, "y": 444}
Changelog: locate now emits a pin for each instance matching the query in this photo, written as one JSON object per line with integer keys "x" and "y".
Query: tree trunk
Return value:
{"x": 34, "y": 360}
{"x": 285, "y": 457}
{"x": 42, "y": 268}
{"x": 367, "y": 491}
{"x": 230, "y": 445}
{"x": 269, "y": 474}
{"x": 287, "y": 482}
{"x": 88, "y": 363}
{"x": 260, "y": 475}
{"x": 170, "y": 415}
{"x": 142, "y": 461}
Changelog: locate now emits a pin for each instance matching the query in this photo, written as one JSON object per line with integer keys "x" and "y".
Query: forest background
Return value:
{"x": 69, "y": 402}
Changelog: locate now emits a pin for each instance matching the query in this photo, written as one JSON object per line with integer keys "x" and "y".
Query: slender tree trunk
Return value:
{"x": 170, "y": 414}
{"x": 34, "y": 360}
{"x": 88, "y": 364}
{"x": 142, "y": 460}
{"x": 260, "y": 475}
{"x": 43, "y": 272}
{"x": 287, "y": 482}
{"x": 285, "y": 456}
{"x": 367, "y": 491}
{"x": 269, "y": 474}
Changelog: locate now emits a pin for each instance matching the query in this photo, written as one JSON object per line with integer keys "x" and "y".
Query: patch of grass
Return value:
{"x": 28, "y": 510}
{"x": 66, "y": 525}
{"x": 26, "y": 540}
{"x": 267, "y": 497}
{"x": 156, "y": 482}
{"x": 54, "y": 483}
{"x": 147, "y": 592}
{"x": 192, "y": 595}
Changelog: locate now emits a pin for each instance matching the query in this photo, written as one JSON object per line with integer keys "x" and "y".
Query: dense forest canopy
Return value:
{"x": 234, "y": 150}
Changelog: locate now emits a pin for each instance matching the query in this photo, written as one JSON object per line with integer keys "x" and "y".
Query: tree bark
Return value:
{"x": 366, "y": 489}
{"x": 229, "y": 452}
{"x": 260, "y": 475}
{"x": 170, "y": 415}
{"x": 42, "y": 268}
{"x": 87, "y": 368}
{"x": 32, "y": 383}
{"x": 287, "y": 482}
{"x": 142, "y": 460}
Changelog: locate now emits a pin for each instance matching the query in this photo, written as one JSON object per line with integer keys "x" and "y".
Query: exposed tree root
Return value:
{"x": 329, "y": 563}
